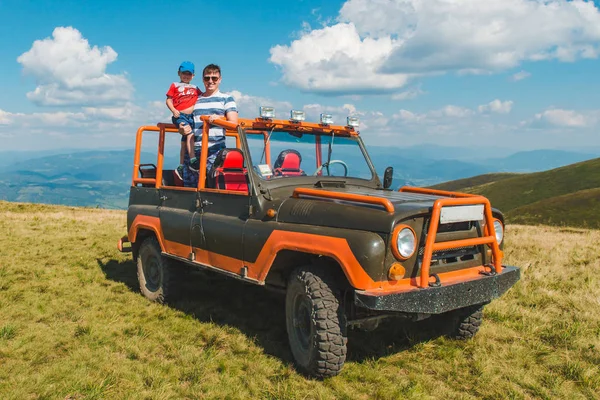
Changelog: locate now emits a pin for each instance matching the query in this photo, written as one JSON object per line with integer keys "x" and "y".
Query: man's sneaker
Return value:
{"x": 179, "y": 172}
{"x": 194, "y": 164}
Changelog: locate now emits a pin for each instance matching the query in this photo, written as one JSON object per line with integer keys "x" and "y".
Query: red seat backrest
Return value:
{"x": 288, "y": 164}
{"x": 228, "y": 171}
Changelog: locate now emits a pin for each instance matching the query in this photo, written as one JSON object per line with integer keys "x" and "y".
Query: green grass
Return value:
{"x": 73, "y": 325}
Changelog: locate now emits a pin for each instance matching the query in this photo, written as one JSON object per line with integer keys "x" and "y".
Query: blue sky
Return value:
{"x": 513, "y": 74}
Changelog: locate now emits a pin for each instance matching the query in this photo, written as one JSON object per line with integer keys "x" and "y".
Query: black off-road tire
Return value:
{"x": 154, "y": 272}
{"x": 316, "y": 323}
{"x": 465, "y": 323}
{"x": 461, "y": 324}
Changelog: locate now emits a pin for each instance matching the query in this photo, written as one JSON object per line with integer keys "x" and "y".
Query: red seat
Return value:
{"x": 288, "y": 164}
{"x": 228, "y": 171}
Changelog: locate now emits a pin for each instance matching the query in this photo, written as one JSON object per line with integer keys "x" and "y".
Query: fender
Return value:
{"x": 334, "y": 247}
{"x": 146, "y": 222}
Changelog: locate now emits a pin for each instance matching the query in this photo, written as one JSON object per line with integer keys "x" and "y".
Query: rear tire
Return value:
{"x": 316, "y": 323}
{"x": 154, "y": 272}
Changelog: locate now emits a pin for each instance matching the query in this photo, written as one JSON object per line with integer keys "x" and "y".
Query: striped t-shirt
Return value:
{"x": 219, "y": 104}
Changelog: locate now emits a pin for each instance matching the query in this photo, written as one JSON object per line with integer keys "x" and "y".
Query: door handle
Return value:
{"x": 163, "y": 198}
{"x": 206, "y": 203}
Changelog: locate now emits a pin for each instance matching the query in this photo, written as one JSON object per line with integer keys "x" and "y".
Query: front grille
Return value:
{"x": 452, "y": 255}
{"x": 456, "y": 258}
{"x": 455, "y": 226}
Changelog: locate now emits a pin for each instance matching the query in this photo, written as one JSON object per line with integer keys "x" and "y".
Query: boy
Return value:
{"x": 181, "y": 99}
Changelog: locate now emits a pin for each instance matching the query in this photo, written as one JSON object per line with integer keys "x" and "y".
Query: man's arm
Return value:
{"x": 232, "y": 116}
{"x": 231, "y": 112}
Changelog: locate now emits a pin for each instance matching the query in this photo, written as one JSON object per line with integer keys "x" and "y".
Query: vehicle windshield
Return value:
{"x": 284, "y": 154}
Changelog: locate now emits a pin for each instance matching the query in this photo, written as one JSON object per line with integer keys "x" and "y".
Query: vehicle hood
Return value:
{"x": 356, "y": 213}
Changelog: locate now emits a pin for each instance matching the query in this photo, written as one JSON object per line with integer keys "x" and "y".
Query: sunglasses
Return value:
{"x": 211, "y": 78}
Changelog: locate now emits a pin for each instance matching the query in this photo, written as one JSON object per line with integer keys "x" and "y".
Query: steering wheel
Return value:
{"x": 326, "y": 166}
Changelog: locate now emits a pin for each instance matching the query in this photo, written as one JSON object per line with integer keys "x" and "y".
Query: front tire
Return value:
{"x": 465, "y": 323}
{"x": 154, "y": 272}
{"x": 316, "y": 323}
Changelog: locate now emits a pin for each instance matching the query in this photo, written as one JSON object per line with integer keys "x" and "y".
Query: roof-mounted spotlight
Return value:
{"x": 297, "y": 116}
{"x": 353, "y": 122}
{"x": 267, "y": 112}
{"x": 326, "y": 119}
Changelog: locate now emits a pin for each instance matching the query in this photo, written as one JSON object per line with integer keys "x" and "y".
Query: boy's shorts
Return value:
{"x": 186, "y": 119}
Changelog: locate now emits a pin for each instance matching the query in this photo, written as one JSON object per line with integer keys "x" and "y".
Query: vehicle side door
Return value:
{"x": 218, "y": 229}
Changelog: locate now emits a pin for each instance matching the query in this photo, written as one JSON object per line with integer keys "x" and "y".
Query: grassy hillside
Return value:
{"x": 462, "y": 184}
{"x": 562, "y": 196}
{"x": 576, "y": 209}
{"x": 73, "y": 325}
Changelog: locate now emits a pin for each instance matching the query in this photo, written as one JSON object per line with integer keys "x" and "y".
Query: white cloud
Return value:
{"x": 336, "y": 58}
{"x": 6, "y": 118}
{"x": 69, "y": 71}
{"x": 519, "y": 76}
{"x": 107, "y": 126}
{"x": 408, "y": 94}
{"x": 453, "y": 113}
{"x": 496, "y": 106}
{"x": 376, "y": 45}
{"x": 248, "y": 105}
{"x": 566, "y": 118}
{"x": 449, "y": 112}
{"x": 409, "y": 116}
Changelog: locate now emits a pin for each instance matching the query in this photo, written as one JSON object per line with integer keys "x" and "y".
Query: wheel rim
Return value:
{"x": 152, "y": 274}
{"x": 302, "y": 321}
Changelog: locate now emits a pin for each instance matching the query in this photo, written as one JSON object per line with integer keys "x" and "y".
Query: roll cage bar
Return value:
{"x": 256, "y": 126}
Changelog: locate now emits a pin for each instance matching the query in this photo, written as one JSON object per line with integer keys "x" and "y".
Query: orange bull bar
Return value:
{"x": 456, "y": 199}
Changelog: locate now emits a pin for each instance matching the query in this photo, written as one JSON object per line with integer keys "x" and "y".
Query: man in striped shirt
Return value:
{"x": 216, "y": 104}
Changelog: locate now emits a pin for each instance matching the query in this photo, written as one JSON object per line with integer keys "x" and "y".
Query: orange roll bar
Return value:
{"x": 223, "y": 123}
{"x": 161, "y": 129}
{"x": 436, "y": 192}
{"x": 385, "y": 203}
{"x": 489, "y": 237}
{"x": 203, "y": 154}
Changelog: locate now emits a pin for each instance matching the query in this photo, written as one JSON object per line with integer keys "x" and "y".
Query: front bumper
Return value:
{"x": 437, "y": 300}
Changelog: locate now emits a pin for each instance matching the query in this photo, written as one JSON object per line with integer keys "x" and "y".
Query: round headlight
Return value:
{"x": 404, "y": 242}
{"x": 499, "y": 229}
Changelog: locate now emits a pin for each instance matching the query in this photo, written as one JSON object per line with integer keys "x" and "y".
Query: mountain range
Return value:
{"x": 101, "y": 178}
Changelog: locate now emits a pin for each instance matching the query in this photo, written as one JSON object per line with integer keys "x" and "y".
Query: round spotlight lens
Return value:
{"x": 406, "y": 242}
{"x": 499, "y": 229}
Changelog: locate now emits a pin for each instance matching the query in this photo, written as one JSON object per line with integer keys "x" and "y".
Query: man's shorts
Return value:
{"x": 186, "y": 119}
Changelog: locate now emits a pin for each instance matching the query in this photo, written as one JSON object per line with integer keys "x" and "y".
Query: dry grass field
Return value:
{"x": 73, "y": 325}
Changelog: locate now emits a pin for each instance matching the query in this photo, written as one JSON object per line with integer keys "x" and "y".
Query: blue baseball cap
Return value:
{"x": 186, "y": 66}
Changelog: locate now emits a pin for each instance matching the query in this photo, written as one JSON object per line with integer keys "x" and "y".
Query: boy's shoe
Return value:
{"x": 194, "y": 164}
{"x": 179, "y": 172}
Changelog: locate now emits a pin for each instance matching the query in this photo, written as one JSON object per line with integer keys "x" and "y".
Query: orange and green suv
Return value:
{"x": 298, "y": 207}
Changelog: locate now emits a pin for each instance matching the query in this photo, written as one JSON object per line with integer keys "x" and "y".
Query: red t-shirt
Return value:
{"x": 184, "y": 95}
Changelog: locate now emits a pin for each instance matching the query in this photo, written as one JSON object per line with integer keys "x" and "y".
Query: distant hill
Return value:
{"x": 536, "y": 160}
{"x": 90, "y": 178}
{"x": 563, "y": 196}
{"x": 101, "y": 177}
{"x": 462, "y": 184}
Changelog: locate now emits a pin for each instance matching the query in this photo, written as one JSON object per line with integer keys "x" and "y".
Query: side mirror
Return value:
{"x": 388, "y": 175}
